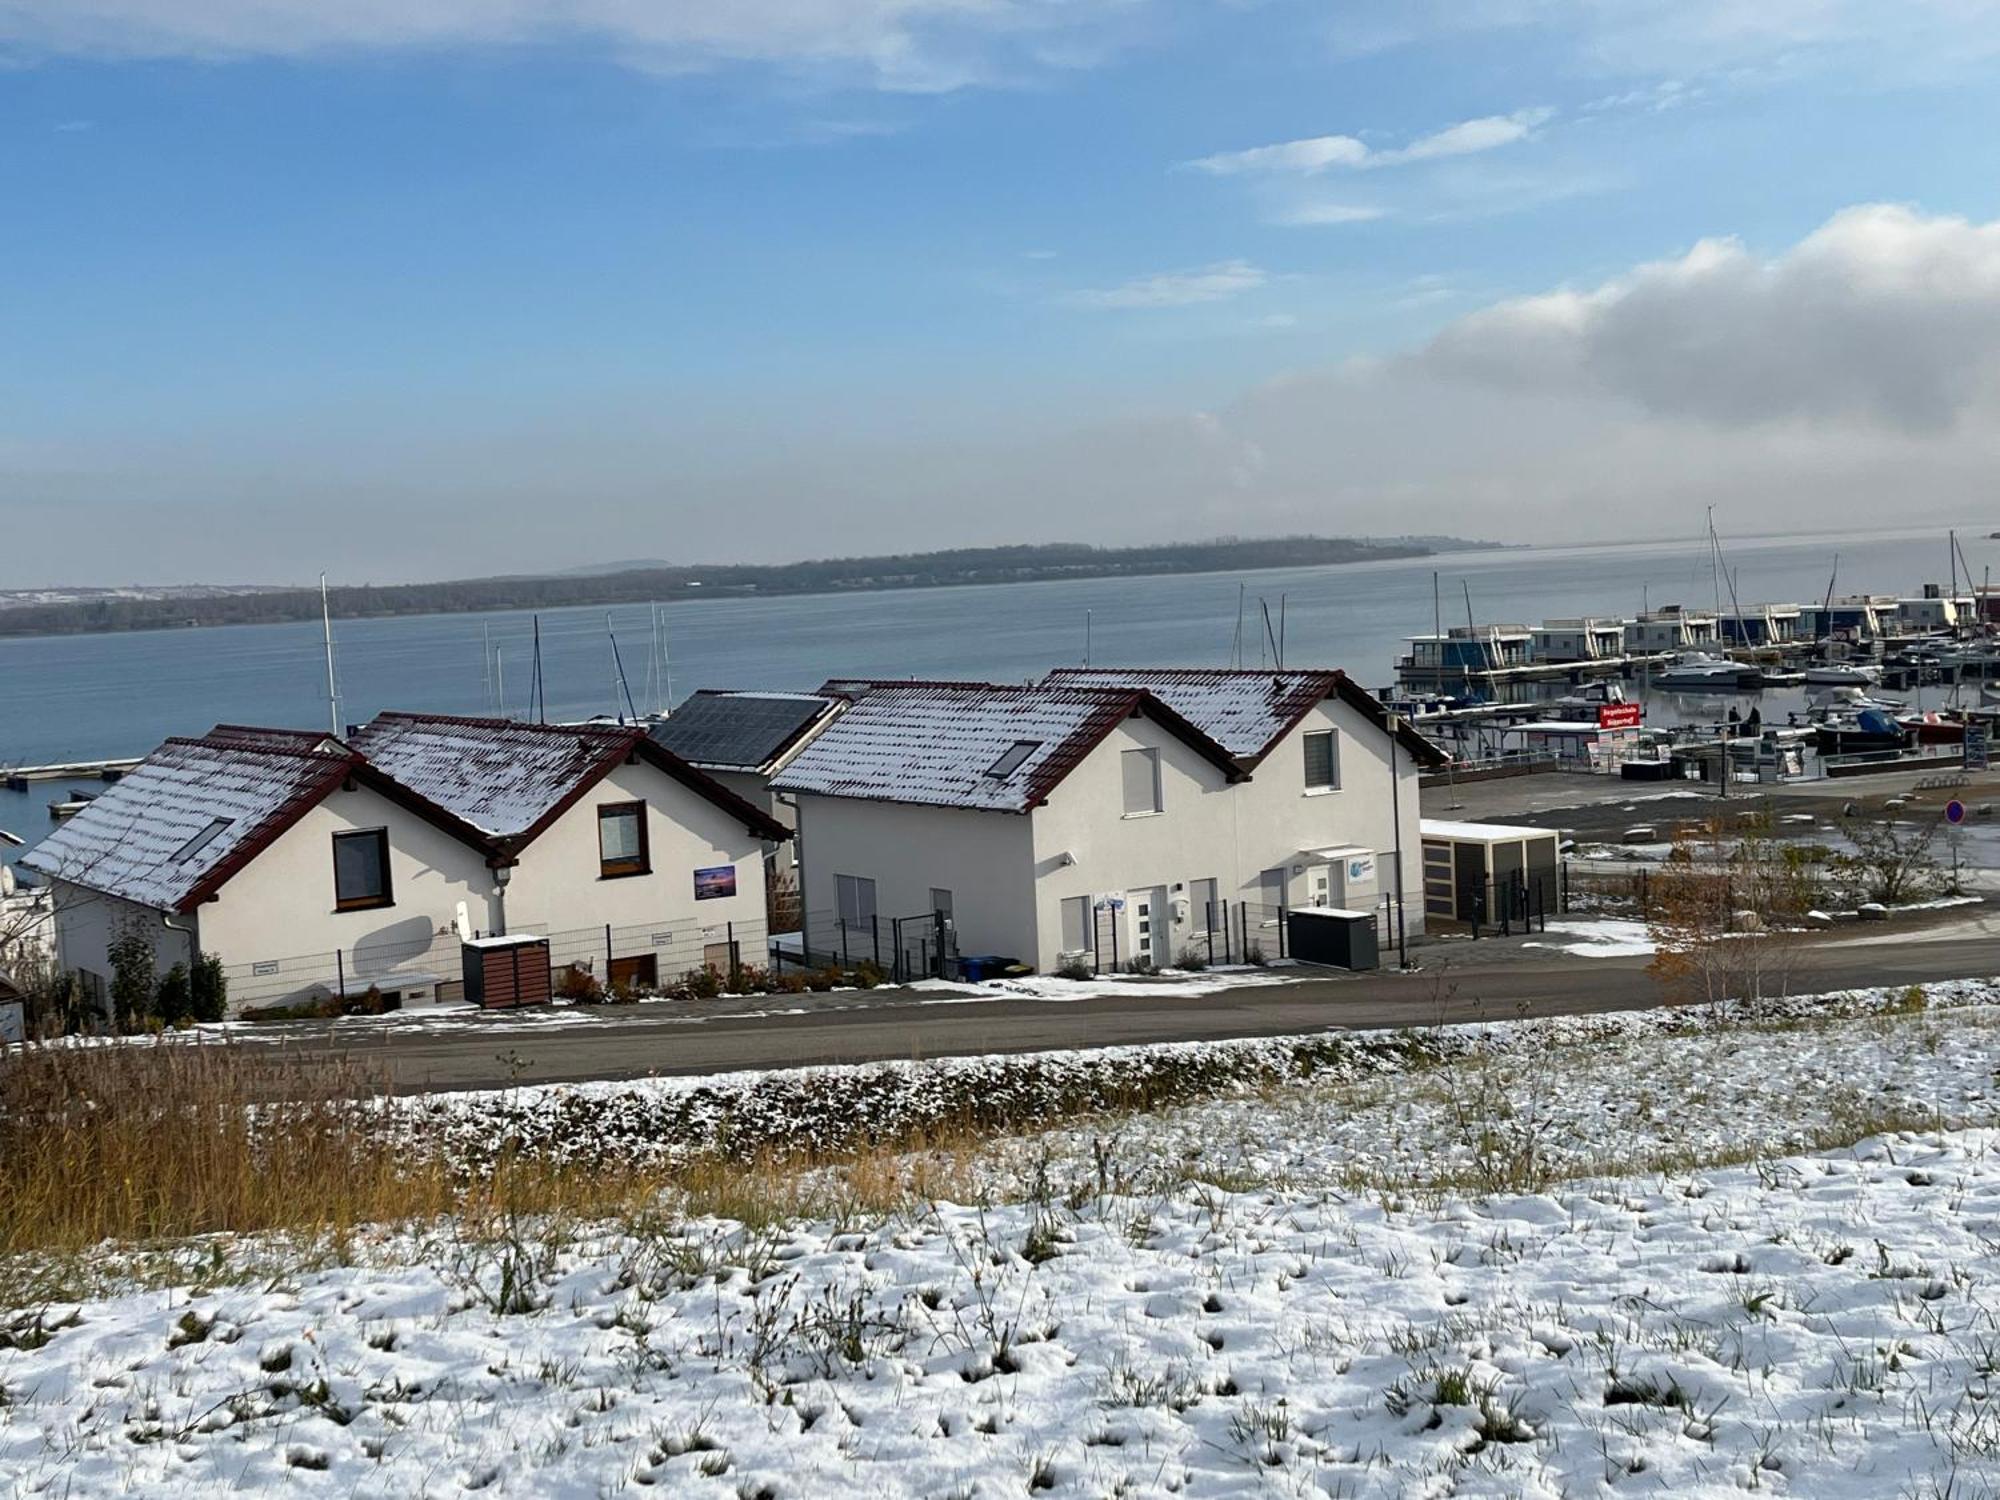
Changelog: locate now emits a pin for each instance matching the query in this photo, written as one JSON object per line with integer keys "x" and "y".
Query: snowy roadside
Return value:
{"x": 1217, "y": 1301}
{"x": 825, "y": 1108}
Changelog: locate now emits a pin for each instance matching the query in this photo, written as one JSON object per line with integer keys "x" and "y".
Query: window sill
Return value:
{"x": 1321, "y": 791}
{"x": 371, "y": 904}
{"x": 1128, "y": 817}
{"x": 621, "y": 874}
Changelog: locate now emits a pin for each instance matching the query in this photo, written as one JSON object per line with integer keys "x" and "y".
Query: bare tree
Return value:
{"x": 1891, "y": 861}
{"x": 1729, "y": 910}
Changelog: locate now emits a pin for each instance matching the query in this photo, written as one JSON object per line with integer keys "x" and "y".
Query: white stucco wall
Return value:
{"x": 87, "y": 921}
{"x": 1008, "y": 872}
{"x": 280, "y": 908}
{"x": 558, "y": 886}
{"x": 985, "y": 859}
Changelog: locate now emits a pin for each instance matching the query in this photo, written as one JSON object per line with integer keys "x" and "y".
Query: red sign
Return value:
{"x": 1618, "y": 716}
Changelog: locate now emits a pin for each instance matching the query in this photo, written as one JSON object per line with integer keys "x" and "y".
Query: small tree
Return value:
{"x": 208, "y": 989}
{"x": 133, "y": 980}
{"x": 1889, "y": 861}
{"x": 174, "y": 1000}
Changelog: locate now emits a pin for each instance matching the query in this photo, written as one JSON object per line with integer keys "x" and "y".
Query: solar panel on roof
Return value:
{"x": 743, "y": 731}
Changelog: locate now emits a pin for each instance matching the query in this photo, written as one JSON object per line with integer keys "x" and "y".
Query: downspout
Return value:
{"x": 1396, "y": 813}
{"x": 194, "y": 942}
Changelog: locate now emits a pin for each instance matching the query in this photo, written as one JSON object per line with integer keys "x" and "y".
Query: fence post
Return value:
{"x": 1208, "y": 929}
{"x": 875, "y": 936}
{"x": 845, "y": 962}
{"x": 1226, "y": 941}
{"x": 1283, "y": 934}
{"x": 607, "y": 953}
{"x": 340, "y": 974}
{"x": 941, "y": 930}
{"x": 735, "y": 958}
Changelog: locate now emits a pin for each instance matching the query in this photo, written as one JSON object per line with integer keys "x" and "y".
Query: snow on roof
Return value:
{"x": 1250, "y": 711}
{"x": 500, "y": 776}
{"x": 1243, "y": 711}
{"x": 1480, "y": 833}
{"x": 175, "y": 825}
{"x": 936, "y": 744}
{"x": 739, "y": 731}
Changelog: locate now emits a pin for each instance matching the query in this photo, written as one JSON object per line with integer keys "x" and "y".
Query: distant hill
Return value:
{"x": 638, "y": 583}
{"x": 630, "y": 565}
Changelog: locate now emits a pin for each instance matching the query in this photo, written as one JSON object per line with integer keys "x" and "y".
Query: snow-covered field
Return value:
{"x": 1519, "y": 1273}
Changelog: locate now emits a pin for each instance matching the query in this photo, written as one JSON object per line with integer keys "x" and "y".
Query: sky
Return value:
{"x": 407, "y": 289}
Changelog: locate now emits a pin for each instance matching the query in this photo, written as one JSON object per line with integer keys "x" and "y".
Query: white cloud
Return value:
{"x": 1881, "y": 315}
{"x": 1216, "y": 283}
{"x": 1318, "y": 154}
{"x": 1308, "y": 214}
{"x": 905, "y": 44}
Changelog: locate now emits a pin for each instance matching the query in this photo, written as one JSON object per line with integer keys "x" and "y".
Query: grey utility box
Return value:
{"x": 1328, "y": 935}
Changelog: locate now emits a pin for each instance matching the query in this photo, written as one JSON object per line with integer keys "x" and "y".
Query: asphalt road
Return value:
{"x": 1490, "y": 981}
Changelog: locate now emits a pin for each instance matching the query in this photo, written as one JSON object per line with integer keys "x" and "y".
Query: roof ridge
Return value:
{"x": 485, "y": 721}
{"x": 348, "y": 754}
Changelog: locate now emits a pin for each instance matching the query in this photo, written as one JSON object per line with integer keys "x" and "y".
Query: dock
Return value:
{"x": 17, "y": 778}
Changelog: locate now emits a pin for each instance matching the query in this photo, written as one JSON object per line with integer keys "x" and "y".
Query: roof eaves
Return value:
{"x": 1119, "y": 705}
{"x": 753, "y": 818}
{"x": 1421, "y": 748}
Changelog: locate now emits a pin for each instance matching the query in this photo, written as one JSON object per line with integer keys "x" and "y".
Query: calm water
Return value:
{"x": 82, "y": 697}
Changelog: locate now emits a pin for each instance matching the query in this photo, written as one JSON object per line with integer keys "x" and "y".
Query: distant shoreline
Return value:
{"x": 945, "y": 569}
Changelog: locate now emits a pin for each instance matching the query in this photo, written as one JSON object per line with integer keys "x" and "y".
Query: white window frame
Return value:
{"x": 1152, "y": 756}
{"x": 1314, "y": 789}
{"x": 853, "y": 886}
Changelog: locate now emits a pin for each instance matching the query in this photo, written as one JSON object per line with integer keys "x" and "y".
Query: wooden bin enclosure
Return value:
{"x": 506, "y": 971}
{"x": 1470, "y": 869}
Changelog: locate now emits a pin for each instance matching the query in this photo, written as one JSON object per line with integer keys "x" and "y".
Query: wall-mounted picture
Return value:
{"x": 714, "y": 883}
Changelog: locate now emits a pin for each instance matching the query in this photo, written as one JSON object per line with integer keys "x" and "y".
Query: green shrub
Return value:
{"x": 173, "y": 1001}
{"x": 208, "y": 988}
{"x": 133, "y": 981}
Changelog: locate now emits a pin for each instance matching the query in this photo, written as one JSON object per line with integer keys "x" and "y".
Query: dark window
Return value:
{"x": 1011, "y": 760}
{"x": 361, "y": 870}
{"x": 202, "y": 839}
{"x": 621, "y": 839}
{"x": 1322, "y": 761}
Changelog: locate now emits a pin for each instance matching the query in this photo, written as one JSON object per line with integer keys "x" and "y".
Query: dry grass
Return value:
{"x": 148, "y": 1144}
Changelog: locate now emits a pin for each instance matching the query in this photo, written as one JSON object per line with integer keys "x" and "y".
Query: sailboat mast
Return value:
{"x": 326, "y": 632}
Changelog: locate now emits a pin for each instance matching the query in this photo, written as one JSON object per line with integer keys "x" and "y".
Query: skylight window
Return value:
{"x": 1010, "y": 762}
{"x": 201, "y": 840}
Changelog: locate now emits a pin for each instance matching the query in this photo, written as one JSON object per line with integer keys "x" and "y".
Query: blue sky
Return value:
{"x": 908, "y": 272}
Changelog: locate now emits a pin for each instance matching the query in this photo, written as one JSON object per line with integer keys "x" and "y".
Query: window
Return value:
{"x": 621, "y": 840}
{"x": 202, "y": 839}
{"x": 1075, "y": 924}
{"x": 1010, "y": 762}
{"x": 1202, "y": 910}
{"x": 1322, "y": 761}
{"x": 1142, "y": 782}
{"x": 361, "y": 870}
{"x": 854, "y": 899}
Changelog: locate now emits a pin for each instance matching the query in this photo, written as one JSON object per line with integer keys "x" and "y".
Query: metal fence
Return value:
{"x": 639, "y": 954}
{"x": 921, "y": 945}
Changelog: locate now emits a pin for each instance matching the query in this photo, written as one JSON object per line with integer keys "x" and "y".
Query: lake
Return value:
{"x": 86, "y": 697}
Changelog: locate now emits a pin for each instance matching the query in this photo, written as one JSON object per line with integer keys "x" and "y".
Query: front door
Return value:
{"x": 1319, "y": 885}
{"x": 1147, "y": 912}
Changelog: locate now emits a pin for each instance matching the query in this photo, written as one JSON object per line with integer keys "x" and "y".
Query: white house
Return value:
{"x": 308, "y": 867}
{"x": 1117, "y": 816}
{"x": 638, "y": 865}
